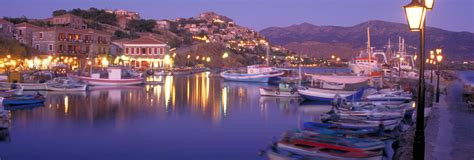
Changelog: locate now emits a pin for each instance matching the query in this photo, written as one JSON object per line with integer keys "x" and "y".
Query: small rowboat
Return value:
{"x": 353, "y": 142}
{"x": 337, "y": 131}
{"x": 326, "y": 150}
{"x": 27, "y": 86}
{"x": 67, "y": 87}
{"x": 278, "y": 92}
{"x": 9, "y": 92}
{"x": 19, "y": 100}
{"x": 327, "y": 95}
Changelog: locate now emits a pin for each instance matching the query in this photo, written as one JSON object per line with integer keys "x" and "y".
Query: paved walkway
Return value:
{"x": 450, "y": 129}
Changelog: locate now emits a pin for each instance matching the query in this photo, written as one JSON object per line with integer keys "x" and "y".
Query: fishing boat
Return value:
{"x": 283, "y": 90}
{"x": 366, "y": 62}
{"x": 326, "y": 150}
{"x": 354, "y": 123}
{"x": 61, "y": 87}
{"x": 20, "y": 100}
{"x": 114, "y": 79}
{"x": 254, "y": 73}
{"x": 328, "y": 95}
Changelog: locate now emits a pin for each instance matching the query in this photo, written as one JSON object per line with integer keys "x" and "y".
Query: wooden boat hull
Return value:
{"x": 109, "y": 82}
{"x": 262, "y": 77}
{"x": 22, "y": 100}
{"x": 79, "y": 88}
{"x": 329, "y": 95}
{"x": 277, "y": 93}
{"x": 28, "y": 86}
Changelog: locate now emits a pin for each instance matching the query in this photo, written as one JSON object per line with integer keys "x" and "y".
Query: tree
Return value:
{"x": 174, "y": 43}
{"x": 141, "y": 25}
{"x": 16, "y": 20}
{"x": 59, "y": 12}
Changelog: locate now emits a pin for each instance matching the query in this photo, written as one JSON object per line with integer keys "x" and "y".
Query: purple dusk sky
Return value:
{"x": 454, "y": 15}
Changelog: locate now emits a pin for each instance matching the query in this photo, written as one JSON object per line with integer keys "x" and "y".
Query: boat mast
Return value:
{"x": 369, "y": 50}
{"x": 268, "y": 54}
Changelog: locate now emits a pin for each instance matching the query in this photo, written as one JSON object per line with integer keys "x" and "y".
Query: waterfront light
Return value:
{"x": 208, "y": 59}
{"x": 225, "y": 55}
{"x": 439, "y": 57}
{"x": 415, "y": 13}
{"x": 429, "y": 4}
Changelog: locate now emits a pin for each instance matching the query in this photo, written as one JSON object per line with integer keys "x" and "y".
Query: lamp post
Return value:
{"x": 439, "y": 58}
{"x": 432, "y": 56}
{"x": 415, "y": 13}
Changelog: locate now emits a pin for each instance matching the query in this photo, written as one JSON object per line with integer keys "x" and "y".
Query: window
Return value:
{"x": 20, "y": 32}
{"x": 162, "y": 51}
{"x": 133, "y": 50}
{"x": 37, "y": 47}
{"x": 143, "y": 51}
{"x": 126, "y": 50}
{"x": 156, "y": 50}
{"x": 40, "y": 35}
{"x": 149, "y": 50}
{"x": 50, "y": 47}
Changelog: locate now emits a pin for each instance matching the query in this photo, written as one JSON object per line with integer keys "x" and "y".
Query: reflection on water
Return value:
{"x": 215, "y": 119}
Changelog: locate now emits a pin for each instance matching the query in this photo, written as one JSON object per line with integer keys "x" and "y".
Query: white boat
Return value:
{"x": 339, "y": 82}
{"x": 254, "y": 73}
{"x": 5, "y": 92}
{"x": 160, "y": 73}
{"x": 327, "y": 95}
{"x": 114, "y": 79}
{"x": 27, "y": 86}
{"x": 66, "y": 87}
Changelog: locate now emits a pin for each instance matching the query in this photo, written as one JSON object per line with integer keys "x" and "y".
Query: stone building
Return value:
{"x": 23, "y": 33}
{"x": 6, "y": 28}
{"x": 69, "y": 20}
{"x": 71, "y": 42}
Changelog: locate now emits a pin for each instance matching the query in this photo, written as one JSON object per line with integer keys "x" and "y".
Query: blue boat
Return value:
{"x": 19, "y": 100}
{"x": 254, "y": 73}
{"x": 328, "y": 129}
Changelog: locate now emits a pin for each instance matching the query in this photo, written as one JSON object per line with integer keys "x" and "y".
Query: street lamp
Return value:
{"x": 415, "y": 13}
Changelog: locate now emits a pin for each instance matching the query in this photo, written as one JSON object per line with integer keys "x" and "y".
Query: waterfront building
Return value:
{"x": 71, "y": 42}
{"x": 6, "y": 28}
{"x": 145, "y": 52}
{"x": 23, "y": 33}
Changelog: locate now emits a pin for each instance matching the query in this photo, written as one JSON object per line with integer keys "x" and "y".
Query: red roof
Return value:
{"x": 145, "y": 40}
{"x": 4, "y": 21}
{"x": 25, "y": 24}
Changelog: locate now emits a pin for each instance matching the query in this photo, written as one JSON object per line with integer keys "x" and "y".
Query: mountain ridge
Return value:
{"x": 298, "y": 37}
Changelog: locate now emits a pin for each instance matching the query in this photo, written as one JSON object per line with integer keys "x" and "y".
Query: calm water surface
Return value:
{"x": 189, "y": 117}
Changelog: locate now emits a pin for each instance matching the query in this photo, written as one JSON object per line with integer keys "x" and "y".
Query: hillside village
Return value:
{"x": 141, "y": 42}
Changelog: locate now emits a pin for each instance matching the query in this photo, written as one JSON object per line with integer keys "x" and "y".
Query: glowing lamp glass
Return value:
{"x": 415, "y": 13}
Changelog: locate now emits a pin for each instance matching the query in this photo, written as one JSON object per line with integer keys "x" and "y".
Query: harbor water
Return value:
{"x": 187, "y": 117}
